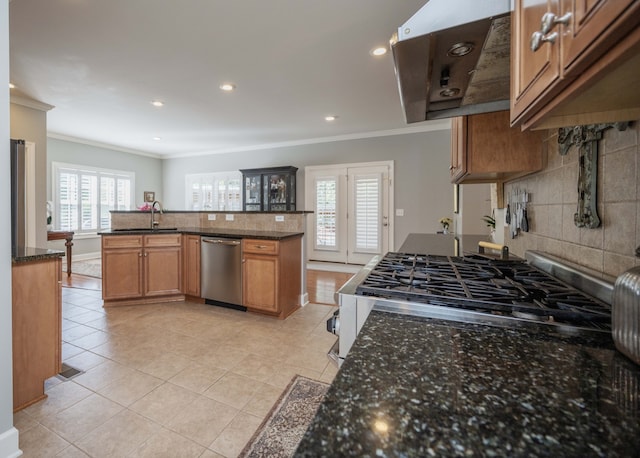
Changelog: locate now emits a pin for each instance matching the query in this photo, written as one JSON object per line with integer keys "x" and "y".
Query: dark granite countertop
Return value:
{"x": 27, "y": 254}
{"x": 213, "y": 232}
{"x": 424, "y": 387}
{"x": 445, "y": 244}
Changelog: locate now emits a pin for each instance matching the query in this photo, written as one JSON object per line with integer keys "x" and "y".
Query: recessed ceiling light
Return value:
{"x": 460, "y": 49}
{"x": 330, "y": 118}
{"x": 227, "y": 87}
{"x": 12, "y": 86}
{"x": 157, "y": 138}
{"x": 380, "y": 51}
{"x": 157, "y": 103}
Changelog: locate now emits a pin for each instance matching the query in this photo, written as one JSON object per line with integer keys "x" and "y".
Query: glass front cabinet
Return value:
{"x": 269, "y": 189}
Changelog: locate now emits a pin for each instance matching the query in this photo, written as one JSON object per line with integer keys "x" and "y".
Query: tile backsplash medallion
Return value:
{"x": 607, "y": 250}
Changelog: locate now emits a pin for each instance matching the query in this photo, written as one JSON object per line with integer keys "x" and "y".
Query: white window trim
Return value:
{"x": 55, "y": 166}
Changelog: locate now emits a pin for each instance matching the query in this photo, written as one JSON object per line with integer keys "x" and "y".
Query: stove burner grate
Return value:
{"x": 510, "y": 288}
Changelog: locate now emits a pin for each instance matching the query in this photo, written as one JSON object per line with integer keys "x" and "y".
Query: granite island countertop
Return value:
{"x": 417, "y": 387}
{"x": 28, "y": 254}
{"x": 211, "y": 232}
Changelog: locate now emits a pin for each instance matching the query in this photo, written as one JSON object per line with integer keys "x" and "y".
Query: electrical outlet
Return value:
{"x": 279, "y": 218}
{"x": 228, "y": 217}
{"x": 211, "y": 216}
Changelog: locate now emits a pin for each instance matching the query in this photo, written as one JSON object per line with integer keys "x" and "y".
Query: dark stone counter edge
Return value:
{"x": 237, "y": 233}
{"x": 289, "y": 212}
{"x": 28, "y": 254}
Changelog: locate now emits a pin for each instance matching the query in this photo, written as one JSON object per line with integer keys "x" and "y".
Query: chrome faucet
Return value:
{"x": 154, "y": 223}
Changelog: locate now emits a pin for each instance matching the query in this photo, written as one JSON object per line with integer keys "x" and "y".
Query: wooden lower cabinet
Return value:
{"x": 191, "y": 271}
{"x": 147, "y": 267}
{"x": 271, "y": 281}
{"x": 36, "y": 326}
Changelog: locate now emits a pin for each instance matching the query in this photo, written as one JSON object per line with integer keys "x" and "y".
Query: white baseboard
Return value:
{"x": 9, "y": 447}
{"x": 334, "y": 267}
{"x": 85, "y": 256}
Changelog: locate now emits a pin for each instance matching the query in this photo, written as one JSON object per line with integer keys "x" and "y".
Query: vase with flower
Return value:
{"x": 445, "y": 222}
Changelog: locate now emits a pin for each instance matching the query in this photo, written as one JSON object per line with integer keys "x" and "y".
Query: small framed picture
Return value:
{"x": 149, "y": 196}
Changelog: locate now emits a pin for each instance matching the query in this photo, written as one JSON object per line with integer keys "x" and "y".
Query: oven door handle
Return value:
{"x": 222, "y": 242}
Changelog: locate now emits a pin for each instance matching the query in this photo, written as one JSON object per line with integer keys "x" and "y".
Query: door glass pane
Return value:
{"x": 252, "y": 189}
{"x": 277, "y": 189}
{"x": 326, "y": 213}
{"x": 367, "y": 217}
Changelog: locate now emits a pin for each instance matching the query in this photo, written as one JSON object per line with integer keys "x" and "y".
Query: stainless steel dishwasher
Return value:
{"x": 221, "y": 271}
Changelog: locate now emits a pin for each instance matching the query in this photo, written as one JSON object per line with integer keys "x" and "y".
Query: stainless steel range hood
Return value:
{"x": 452, "y": 59}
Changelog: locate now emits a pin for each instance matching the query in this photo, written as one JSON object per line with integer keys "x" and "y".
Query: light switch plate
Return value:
{"x": 211, "y": 216}
{"x": 279, "y": 218}
{"x": 229, "y": 217}
{"x": 399, "y": 211}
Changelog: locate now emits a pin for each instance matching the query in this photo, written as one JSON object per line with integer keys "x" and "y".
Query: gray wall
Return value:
{"x": 8, "y": 437}
{"x": 148, "y": 177}
{"x": 421, "y": 161}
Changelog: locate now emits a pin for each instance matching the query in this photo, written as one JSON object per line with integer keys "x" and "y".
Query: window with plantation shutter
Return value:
{"x": 84, "y": 196}
{"x": 367, "y": 213}
{"x": 214, "y": 191}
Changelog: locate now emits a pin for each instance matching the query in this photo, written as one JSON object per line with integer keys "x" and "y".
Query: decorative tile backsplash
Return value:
{"x": 291, "y": 222}
{"x": 609, "y": 249}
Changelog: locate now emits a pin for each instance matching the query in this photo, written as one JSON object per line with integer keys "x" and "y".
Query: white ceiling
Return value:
{"x": 102, "y": 62}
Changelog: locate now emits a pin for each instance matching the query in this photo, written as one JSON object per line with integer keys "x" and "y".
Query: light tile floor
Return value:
{"x": 169, "y": 380}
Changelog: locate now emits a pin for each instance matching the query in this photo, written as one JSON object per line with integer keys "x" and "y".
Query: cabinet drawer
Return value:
{"x": 122, "y": 241}
{"x": 260, "y": 246}
{"x": 162, "y": 240}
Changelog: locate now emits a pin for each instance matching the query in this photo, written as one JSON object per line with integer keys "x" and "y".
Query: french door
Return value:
{"x": 351, "y": 206}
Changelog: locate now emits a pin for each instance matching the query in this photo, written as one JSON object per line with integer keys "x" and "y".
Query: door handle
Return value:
{"x": 222, "y": 242}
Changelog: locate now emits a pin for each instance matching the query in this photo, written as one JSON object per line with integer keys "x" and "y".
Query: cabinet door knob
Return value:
{"x": 538, "y": 38}
{"x": 550, "y": 20}
{"x": 139, "y": 255}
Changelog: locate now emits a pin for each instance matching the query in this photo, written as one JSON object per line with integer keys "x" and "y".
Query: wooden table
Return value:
{"x": 63, "y": 235}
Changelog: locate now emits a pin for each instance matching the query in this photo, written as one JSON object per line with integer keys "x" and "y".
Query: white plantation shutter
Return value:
{"x": 325, "y": 210}
{"x": 68, "y": 201}
{"x": 83, "y": 197}
{"x": 214, "y": 191}
{"x": 367, "y": 195}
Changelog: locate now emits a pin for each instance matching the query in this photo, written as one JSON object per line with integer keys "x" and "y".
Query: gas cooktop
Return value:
{"x": 510, "y": 288}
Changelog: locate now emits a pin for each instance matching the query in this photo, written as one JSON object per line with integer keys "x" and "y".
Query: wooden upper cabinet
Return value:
{"x": 532, "y": 73}
{"x": 584, "y": 69}
{"x": 485, "y": 149}
{"x": 588, "y": 34}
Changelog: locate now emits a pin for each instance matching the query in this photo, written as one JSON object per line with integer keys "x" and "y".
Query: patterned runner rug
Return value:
{"x": 282, "y": 430}
{"x": 89, "y": 267}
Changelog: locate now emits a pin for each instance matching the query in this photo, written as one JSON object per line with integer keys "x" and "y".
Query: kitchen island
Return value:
{"x": 143, "y": 265}
{"x": 414, "y": 386}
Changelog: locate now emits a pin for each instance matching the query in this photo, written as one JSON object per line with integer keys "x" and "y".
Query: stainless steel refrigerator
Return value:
{"x": 18, "y": 196}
